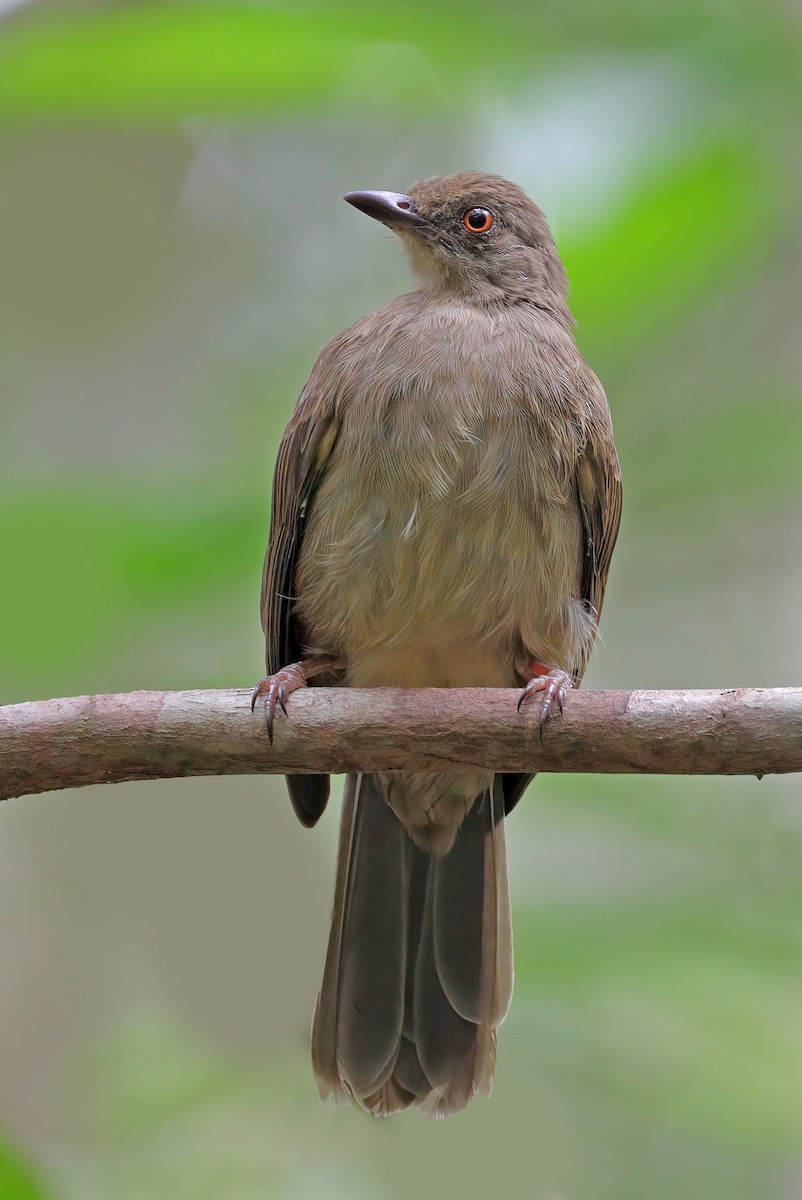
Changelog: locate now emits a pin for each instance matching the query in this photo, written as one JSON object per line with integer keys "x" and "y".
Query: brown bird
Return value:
{"x": 445, "y": 503}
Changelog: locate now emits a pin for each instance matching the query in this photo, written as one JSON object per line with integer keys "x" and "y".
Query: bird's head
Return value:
{"x": 476, "y": 236}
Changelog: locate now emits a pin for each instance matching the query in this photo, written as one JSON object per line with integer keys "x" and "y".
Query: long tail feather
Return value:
{"x": 419, "y": 967}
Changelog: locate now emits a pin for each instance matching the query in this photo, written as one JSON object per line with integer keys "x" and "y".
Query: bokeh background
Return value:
{"x": 173, "y": 252}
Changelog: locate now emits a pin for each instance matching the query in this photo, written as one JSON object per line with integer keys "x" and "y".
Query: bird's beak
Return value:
{"x": 391, "y": 208}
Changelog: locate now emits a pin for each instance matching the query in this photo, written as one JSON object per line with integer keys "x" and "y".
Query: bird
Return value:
{"x": 445, "y": 504}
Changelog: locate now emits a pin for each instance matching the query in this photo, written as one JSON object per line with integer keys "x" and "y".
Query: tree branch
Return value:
{"x": 51, "y": 744}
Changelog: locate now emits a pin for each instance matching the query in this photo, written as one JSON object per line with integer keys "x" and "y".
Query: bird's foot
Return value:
{"x": 552, "y": 683}
{"x": 274, "y": 691}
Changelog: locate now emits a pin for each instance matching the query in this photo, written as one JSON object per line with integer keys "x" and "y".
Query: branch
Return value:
{"x": 51, "y": 744}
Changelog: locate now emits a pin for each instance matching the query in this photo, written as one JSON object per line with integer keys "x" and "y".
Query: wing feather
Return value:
{"x": 301, "y": 462}
{"x": 598, "y": 490}
{"x": 598, "y": 484}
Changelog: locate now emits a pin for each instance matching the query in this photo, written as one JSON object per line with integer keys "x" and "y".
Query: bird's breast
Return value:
{"x": 445, "y": 535}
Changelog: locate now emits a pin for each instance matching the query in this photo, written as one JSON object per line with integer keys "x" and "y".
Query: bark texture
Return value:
{"x": 50, "y": 744}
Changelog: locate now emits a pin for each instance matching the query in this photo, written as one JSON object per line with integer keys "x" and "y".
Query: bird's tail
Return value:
{"x": 419, "y": 966}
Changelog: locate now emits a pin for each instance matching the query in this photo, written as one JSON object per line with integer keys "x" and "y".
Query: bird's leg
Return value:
{"x": 551, "y": 681}
{"x": 275, "y": 689}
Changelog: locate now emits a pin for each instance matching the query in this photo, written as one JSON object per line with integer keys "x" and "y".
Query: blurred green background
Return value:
{"x": 173, "y": 252}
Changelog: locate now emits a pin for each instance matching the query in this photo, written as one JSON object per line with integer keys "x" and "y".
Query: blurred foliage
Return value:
{"x": 128, "y": 563}
{"x": 654, "y": 1046}
{"x": 151, "y": 60}
{"x": 709, "y": 207}
{"x": 17, "y": 1181}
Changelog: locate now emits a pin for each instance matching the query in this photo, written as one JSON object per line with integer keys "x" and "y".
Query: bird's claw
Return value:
{"x": 554, "y": 685}
{"x": 275, "y": 691}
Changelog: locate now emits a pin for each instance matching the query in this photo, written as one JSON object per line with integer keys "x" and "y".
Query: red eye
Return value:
{"x": 478, "y": 220}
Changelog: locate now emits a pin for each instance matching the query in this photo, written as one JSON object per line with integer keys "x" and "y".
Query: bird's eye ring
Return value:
{"x": 478, "y": 220}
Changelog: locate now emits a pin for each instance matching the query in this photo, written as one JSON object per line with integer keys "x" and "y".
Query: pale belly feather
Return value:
{"x": 442, "y": 550}
{"x": 445, "y": 568}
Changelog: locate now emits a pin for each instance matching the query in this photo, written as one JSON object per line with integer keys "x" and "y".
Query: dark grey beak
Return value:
{"x": 391, "y": 208}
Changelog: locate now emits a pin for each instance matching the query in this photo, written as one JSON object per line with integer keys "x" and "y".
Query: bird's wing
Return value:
{"x": 301, "y": 462}
{"x": 598, "y": 483}
{"x": 598, "y": 489}
{"x": 302, "y": 458}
